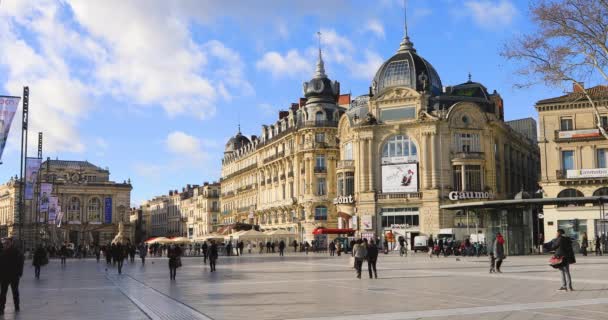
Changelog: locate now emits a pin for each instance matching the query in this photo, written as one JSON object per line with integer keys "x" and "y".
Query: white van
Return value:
{"x": 420, "y": 243}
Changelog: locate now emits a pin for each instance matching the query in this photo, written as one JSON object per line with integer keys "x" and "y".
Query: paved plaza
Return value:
{"x": 314, "y": 287}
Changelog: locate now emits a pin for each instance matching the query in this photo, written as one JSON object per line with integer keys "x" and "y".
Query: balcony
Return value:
{"x": 273, "y": 157}
{"x": 320, "y": 169}
{"x": 407, "y": 195}
{"x": 578, "y": 135}
{"x": 467, "y": 155}
{"x": 317, "y": 124}
{"x": 346, "y": 164}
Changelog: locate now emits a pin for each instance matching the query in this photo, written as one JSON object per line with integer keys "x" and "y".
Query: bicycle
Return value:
{"x": 403, "y": 251}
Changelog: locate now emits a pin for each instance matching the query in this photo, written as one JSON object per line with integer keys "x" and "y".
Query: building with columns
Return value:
{"x": 412, "y": 145}
{"x": 9, "y": 202}
{"x": 574, "y": 162}
{"x": 285, "y": 178}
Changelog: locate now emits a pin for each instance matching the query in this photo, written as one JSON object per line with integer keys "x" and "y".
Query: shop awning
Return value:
{"x": 344, "y": 215}
{"x": 332, "y": 231}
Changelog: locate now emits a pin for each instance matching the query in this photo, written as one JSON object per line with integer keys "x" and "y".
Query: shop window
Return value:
{"x": 321, "y": 213}
{"x": 574, "y": 229}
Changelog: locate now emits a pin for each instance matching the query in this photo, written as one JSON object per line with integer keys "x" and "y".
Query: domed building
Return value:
{"x": 413, "y": 145}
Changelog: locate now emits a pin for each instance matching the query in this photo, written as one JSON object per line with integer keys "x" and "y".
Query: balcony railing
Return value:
{"x": 346, "y": 164}
{"x": 467, "y": 155}
{"x": 320, "y": 169}
{"x": 319, "y": 123}
{"x": 405, "y": 195}
{"x": 273, "y": 157}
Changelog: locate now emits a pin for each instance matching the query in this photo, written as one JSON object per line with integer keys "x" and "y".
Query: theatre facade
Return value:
{"x": 412, "y": 145}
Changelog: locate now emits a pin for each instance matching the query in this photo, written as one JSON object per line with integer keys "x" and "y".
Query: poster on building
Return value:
{"x": 354, "y": 223}
{"x": 32, "y": 166}
{"x": 52, "y": 205}
{"x": 8, "y": 108}
{"x": 366, "y": 222}
{"x": 45, "y": 193}
{"x": 400, "y": 178}
{"x": 321, "y": 241}
{"x": 108, "y": 210}
{"x": 59, "y": 217}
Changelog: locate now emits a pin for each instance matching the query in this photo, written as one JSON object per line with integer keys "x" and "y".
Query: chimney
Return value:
{"x": 302, "y": 101}
{"x": 578, "y": 87}
{"x": 283, "y": 114}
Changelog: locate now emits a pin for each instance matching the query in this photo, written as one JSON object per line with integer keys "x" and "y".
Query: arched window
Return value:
{"x": 94, "y": 210}
{"x": 74, "y": 210}
{"x": 601, "y": 192}
{"x": 570, "y": 193}
{"x": 319, "y": 117}
{"x": 321, "y": 213}
{"x": 399, "y": 148}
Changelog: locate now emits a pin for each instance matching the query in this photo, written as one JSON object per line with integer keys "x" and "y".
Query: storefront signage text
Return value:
{"x": 344, "y": 200}
{"x": 587, "y": 173}
{"x": 464, "y": 195}
{"x": 399, "y": 226}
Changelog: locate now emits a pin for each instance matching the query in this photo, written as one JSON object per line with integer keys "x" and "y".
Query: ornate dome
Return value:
{"x": 236, "y": 142}
{"x": 320, "y": 88}
{"x": 407, "y": 69}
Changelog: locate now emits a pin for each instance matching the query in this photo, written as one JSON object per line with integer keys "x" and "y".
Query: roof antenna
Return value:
{"x": 239, "y": 122}
{"x": 406, "y": 44}
{"x": 469, "y": 76}
{"x": 405, "y": 17}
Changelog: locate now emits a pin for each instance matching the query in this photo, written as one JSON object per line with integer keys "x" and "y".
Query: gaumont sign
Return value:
{"x": 466, "y": 195}
{"x": 344, "y": 200}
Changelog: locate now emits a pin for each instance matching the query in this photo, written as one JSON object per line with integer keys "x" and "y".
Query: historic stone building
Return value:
{"x": 574, "y": 161}
{"x": 202, "y": 210}
{"x": 285, "y": 178}
{"x": 412, "y": 144}
{"x": 91, "y": 205}
{"x": 9, "y": 201}
{"x": 155, "y": 215}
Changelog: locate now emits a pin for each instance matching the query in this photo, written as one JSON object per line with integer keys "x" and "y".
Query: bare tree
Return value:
{"x": 569, "y": 45}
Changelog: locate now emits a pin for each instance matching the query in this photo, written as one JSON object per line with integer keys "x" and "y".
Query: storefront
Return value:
{"x": 520, "y": 221}
{"x": 399, "y": 222}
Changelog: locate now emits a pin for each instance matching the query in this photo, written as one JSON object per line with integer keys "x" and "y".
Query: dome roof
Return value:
{"x": 320, "y": 88}
{"x": 236, "y": 142}
{"x": 407, "y": 69}
{"x": 470, "y": 89}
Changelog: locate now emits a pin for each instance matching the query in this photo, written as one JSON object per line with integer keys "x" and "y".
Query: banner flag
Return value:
{"x": 52, "y": 207}
{"x": 108, "y": 210}
{"x": 8, "y": 108}
{"x": 32, "y": 166}
{"x": 59, "y": 216}
{"x": 45, "y": 193}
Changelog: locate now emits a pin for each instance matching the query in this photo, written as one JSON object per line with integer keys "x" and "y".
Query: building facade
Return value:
{"x": 202, "y": 210}
{"x": 574, "y": 160}
{"x": 412, "y": 145}
{"x": 9, "y": 202}
{"x": 285, "y": 178}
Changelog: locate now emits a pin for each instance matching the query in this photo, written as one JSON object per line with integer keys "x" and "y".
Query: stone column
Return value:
{"x": 434, "y": 161}
{"x": 370, "y": 169}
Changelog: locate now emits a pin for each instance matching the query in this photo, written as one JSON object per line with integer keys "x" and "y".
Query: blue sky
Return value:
{"x": 153, "y": 89}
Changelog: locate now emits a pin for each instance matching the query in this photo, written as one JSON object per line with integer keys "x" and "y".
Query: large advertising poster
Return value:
{"x": 400, "y": 177}
{"x": 45, "y": 193}
{"x": 52, "y": 207}
{"x": 32, "y": 166}
{"x": 8, "y": 108}
{"x": 108, "y": 210}
{"x": 366, "y": 222}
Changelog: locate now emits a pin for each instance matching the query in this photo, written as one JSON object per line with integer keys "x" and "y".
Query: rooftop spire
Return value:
{"x": 320, "y": 71}
{"x": 406, "y": 44}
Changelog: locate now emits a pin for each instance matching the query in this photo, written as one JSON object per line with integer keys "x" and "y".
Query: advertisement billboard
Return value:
{"x": 52, "y": 205}
{"x": 108, "y": 210}
{"x": 32, "y": 166}
{"x": 45, "y": 193}
{"x": 8, "y": 108}
{"x": 400, "y": 178}
{"x": 366, "y": 222}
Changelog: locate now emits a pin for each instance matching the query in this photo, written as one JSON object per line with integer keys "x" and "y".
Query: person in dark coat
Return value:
{"x": 174, "y": 253}
{"x": 132, "y": 252}
{"x": 143, "y": 252}
{"x": 598, "y": 246}
{"x": 63, "y": 253}
{"x": 332, "y": 249}
{"x": 40, "y": 259}
{"x": 562, "y": 246}
{"x": 119, "y": 255}
{"x": 372, "y": 258}
{"x": 295, "y": 246}
{"x": 281, "y": 248}
{"x": 11, "y": 270}
{"x": 241, "y": 247}
{"x": 97, "y": 251}
{"x": 499, "y": 251}
{"x": 205, "y": 248}
{"x": 584, "y": 244}
{"x": 213, "y": 254}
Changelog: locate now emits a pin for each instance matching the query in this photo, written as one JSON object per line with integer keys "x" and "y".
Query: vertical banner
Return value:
{"x": 8, "y": 108}
{"x": 59, "y": 217}
{"x": 108, "y": 210}
{"x": 32, "y": 166}
{"x": 45, "y": 193}
{"x": 52, "y": 208}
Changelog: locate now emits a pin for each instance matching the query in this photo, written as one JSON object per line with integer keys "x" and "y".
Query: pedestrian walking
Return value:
{"x": 249, "y": 247}
{"x": 306, "y": 247}
{"x": 11, "y": 270}
{"x": 213, "y": 255}
{"x": 563, "y": 250}
{"x": 332, "y": 249}
{"x": 295, "y": 245}
{"x": 119, "y": 255}
{"x": 241, "y": 247}
{"x": 339, "y": 248}
{"x": 492, "y": 258}
{"x": 143, "y": 252}
{"x": 40, "y": 259}
{"x": 360, "y": 253}
{"x": 268, "y": 245}
{"x": 499, "y": 251}
{"x": 430, "y": 244}
{"x": 598, "y": 246}
{"x": 97, "y": 251}
{"x": 132, "y": 252}
{"x": 261, "y": 245}
{"x": 63, "y": 253}
{"x": 174, "y": 254}
{"x": 281, "y": 248}
{"x": 108, "y": 254}
{"x": 205, "y": 248}
{"x": 372, "y": 258}
{"x": 584, "y": 244}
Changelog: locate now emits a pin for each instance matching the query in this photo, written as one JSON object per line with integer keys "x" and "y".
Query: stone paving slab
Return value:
{"x": 315, "y": 287}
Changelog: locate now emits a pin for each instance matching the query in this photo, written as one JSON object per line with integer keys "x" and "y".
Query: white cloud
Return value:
{"x": 184, "y": 145}
{"x": 289, "y": 65}
{"x": 366, "y": 69}
{"x": 375, "y": 26}
{"x": 491, "y": 14}
{"x": 266, "y": 108}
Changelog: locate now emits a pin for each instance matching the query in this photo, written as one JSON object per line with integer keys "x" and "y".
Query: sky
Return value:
{"x": 153, "y": 89}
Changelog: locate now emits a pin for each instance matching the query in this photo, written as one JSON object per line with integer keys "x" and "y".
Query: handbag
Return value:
{"x": 556, "y": 261}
